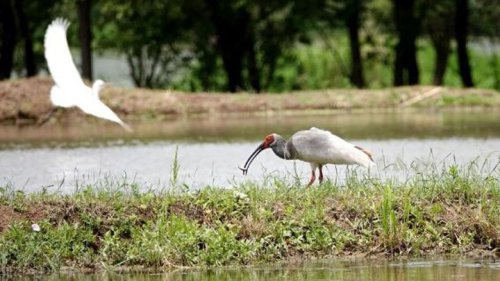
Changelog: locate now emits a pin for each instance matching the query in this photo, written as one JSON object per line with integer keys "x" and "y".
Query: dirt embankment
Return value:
{"x": 26, "y": 101}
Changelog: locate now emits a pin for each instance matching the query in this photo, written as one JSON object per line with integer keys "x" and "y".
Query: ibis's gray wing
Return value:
{"x": 321, "y": 146}
{"x": 58, "y": 56}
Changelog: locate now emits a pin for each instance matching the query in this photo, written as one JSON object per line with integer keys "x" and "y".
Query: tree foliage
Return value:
{"x": 245, "y": 45}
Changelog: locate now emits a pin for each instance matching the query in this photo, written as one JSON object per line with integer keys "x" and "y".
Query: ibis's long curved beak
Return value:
{"x": 251, "y": 158}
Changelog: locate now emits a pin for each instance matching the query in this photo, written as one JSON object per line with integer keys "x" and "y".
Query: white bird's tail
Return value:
{"x": 125, "y": 126}
{"x": 110, "y": 115}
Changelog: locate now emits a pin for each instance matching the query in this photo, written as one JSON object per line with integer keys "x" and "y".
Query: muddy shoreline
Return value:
{"x": 26, "y": 102}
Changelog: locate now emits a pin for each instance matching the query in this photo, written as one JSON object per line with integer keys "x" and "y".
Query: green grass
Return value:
{"x": 451, "y": 211}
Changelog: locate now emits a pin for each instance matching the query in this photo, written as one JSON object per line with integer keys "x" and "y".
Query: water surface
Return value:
{"x": 342, "y": 270}
{"x": 209, "y": 151}
{"x": 201, "y": 164}
{"x": 421, "y": 124}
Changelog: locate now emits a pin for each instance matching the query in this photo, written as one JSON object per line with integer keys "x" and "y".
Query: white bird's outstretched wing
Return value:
{"x": 58, "y": 56}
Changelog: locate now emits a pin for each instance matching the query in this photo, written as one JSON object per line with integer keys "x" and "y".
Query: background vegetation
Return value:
{"x": 282, "y": 45}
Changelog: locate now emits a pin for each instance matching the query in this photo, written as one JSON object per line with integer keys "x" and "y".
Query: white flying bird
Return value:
{"x": 316, "y": 146}
{"x": 69, "y": 89}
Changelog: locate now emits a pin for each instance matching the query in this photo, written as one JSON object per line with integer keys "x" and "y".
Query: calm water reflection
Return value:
{"x": 382, "y": 270}
{"x": 351, "y": 125}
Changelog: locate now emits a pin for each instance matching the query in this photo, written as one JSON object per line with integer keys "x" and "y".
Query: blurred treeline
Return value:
{"x": 267, "y": 45}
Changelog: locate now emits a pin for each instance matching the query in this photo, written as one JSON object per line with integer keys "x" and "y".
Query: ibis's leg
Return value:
{"x": 313, "y": 174}
{"x": 313, "y": 178}
{"x": 320, "y": 173}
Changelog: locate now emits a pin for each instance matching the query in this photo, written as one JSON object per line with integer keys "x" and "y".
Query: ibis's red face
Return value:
{"x": 268, "y": 141}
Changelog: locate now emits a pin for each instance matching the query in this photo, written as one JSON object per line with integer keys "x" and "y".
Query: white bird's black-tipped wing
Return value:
{"x": 58, "y": 56}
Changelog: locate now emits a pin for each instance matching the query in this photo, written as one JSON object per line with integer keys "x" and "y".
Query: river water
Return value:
{"x": 345, "y": 270}
{"x": 209, "y": 151}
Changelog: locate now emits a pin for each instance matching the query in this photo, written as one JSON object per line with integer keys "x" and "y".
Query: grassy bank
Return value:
{"x": 454, "y": 212}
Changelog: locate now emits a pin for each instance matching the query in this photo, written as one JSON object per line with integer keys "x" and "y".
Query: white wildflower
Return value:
{"x": 35, "y": 227}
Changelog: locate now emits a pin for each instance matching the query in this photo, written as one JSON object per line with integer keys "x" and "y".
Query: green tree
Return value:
{"x": 461, "y": 31}
{"x": 251, "y": 37}
{"x": 84, "y": 8}
{"x": 22, "y": 29}
{"x": 353, "y": 22}
{"x": 484, "y": 26}
{"x": 27, "y": 38}
{"x": 439, "y": 24}
{"x": 407, "y": 23}
{"x": 151, "y": 34}
{"x": 8, "y": 34}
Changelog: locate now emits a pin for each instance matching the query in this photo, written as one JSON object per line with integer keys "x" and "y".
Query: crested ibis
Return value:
{"x": 317, "y": 147}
